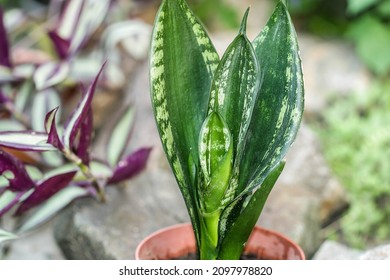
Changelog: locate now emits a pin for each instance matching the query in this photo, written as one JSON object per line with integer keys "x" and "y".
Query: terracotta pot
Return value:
{"x": 176, "y": 241}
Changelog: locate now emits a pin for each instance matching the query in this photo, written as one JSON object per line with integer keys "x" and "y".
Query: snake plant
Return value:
{"x": 225, "y": 124}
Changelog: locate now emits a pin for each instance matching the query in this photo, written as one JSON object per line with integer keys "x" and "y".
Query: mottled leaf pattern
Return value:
{"x": 240, "y": 217}
{"x": 181, "y": 68}
{"x": 236, "y": 84}
{"x": 216, "y": 160}
{"x": 252, "y": 117}
{"x": 278, "y": 108}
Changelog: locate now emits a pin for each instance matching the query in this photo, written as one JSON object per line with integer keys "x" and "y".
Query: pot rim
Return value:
{"x": 184, "y": 225}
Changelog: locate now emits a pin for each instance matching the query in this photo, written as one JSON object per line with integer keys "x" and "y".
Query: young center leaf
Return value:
{"x": 235, "y": 87}
{"x": 182, "y": 64}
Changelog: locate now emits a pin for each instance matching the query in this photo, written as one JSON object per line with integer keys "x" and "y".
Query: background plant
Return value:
{"x": 365, "y": 23}
{"x": 46, "y": 156}
{"x": 226, "y": 124}
{"x": 356, "y": 143}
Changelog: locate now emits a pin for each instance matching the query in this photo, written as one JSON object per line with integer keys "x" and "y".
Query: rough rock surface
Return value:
{"x": 332, "y": 250}
{"x": 378, "y": 253}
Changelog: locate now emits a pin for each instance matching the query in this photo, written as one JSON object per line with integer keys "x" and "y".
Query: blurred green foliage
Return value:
{"x": 7, "y": 4}
{"x": 370, "y": 31}
{"x": 356, "y": 142}
{"x": 215, "y": 12}
{"x": 365, "y": 22}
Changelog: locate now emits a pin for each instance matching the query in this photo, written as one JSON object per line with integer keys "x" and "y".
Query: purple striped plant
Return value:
{"x": 61, "y": 165}
{"x": 79, "y": 173}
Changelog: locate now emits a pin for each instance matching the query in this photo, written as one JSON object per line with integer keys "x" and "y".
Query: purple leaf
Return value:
{"x": 78, "y": 21}
{"x": 130, "y": 166}
{"x": 3, "y": 98}
{"x": 25, "y": 141}
{"x": 44, "y": 190}
{"x": 51, "y": 129}
{"x": 14, "y": 171}
{"x": 61, "y": 45}
{"x": 4, "y": 46}
{"x": 85, "y": 139}
{"x": 81, "y": 112}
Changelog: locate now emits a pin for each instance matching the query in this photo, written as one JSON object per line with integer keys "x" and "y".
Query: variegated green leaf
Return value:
{"x": 279, "y": 105}
{"x": 240, "y": 217}
{"x": 235, "y": 85}
{"x": 182, "y": 63}
{"x": 216, "y": 160}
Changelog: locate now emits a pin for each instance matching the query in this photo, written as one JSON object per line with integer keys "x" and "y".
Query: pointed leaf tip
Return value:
{"x": 130, "y": 166}
{"x": 51, "y": 129}
{"x": 244, "y": 22}
{"x": 80, "y": 113}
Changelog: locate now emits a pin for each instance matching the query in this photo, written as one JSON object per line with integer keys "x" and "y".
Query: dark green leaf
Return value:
{"x": 278, "y": 108}
{"x": 243, "y": 214}
{"x": 183, "y": 60}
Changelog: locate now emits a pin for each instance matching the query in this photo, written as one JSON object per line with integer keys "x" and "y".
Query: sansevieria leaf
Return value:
{"x": 278, "y": 108}
{"x": 241, "y": 216}
{"x": 216, "y": 160}
{"x": 236, "y": 84}
{"x": 182, "y": 64}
